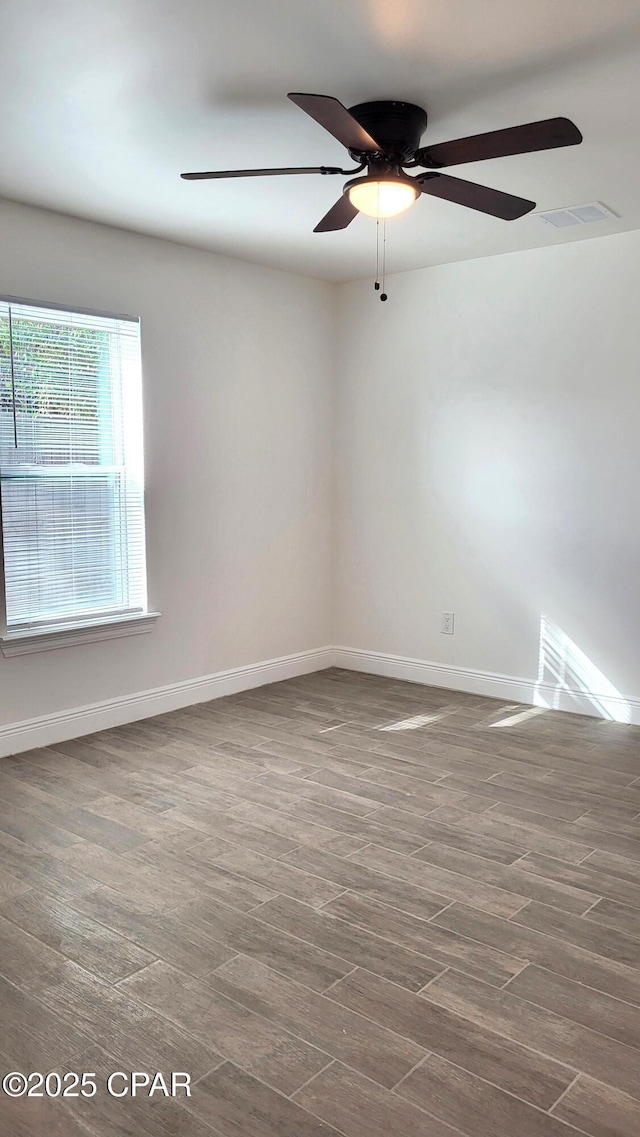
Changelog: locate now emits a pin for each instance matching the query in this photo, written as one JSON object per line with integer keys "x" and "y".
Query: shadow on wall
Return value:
{"x": 567, "y": 678}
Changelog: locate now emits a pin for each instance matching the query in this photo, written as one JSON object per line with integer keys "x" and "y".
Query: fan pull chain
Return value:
{"x": 383, "y": 295}
{"x": 376, "y": 284}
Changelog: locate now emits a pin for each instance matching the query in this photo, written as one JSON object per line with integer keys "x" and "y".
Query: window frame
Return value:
{"x": 77, "y": 629}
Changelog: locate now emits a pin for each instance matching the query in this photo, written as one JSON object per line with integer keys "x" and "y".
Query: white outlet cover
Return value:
{"x": 446, "y": 623}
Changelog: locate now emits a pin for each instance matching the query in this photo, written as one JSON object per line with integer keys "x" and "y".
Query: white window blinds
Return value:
{"x": 71, "y": 470}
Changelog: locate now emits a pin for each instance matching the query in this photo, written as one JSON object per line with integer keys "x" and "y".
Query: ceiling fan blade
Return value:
{"x": 262, "y": 173}
{"x": 339, "y": 216}
{"x": 474, "y": 196}
{"x": 544, "y": 135}
{"x": 335, "y": 118}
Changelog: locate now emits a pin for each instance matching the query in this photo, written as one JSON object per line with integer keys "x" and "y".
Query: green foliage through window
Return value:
{"x": 56, "y": 369}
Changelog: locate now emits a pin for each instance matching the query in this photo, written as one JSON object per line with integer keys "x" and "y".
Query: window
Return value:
{"x": 71, "y": 469}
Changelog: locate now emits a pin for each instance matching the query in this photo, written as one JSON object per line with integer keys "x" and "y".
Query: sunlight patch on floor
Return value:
{"x": 414, "y": 723}
{"x": 521, "y": 716}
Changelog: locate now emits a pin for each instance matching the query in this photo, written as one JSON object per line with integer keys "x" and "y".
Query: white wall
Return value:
{"x": 485, "y": 430}
{"x": 489, "y": 454}
{"x": 237, "y": 388}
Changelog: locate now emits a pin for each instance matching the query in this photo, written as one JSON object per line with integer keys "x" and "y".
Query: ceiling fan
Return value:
{"x": 384, "y": 138}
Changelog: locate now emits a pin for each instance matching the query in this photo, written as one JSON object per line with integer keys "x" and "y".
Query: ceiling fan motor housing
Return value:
{"x": 398, "y": 127}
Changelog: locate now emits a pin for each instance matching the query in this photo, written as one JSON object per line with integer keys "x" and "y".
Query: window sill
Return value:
{"x": 47, "y": 639}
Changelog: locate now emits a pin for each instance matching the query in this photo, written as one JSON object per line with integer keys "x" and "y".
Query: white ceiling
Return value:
{"x": 104, "y": 104}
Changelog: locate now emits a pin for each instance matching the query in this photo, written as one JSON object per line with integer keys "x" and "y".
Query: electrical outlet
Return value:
{"x": 446, "y": 623}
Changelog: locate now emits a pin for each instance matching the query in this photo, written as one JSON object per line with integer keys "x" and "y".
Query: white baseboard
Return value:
{"x": 62, "y": 725}
{"x": 506, "y": 687}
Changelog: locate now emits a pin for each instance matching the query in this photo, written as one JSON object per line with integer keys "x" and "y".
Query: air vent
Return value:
{"x": 577, "y": 215}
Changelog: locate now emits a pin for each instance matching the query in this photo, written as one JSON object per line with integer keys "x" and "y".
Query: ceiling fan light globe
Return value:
{"x": 382, "y": 197}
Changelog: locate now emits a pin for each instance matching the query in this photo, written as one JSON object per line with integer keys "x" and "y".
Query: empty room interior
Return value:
{"x": 320, "y": 564}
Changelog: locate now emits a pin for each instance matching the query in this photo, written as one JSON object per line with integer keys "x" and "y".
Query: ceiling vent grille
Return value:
{"x": 577, "y": 215}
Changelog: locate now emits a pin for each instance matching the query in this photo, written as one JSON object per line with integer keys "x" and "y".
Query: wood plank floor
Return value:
{"x": 344, "y": 905}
